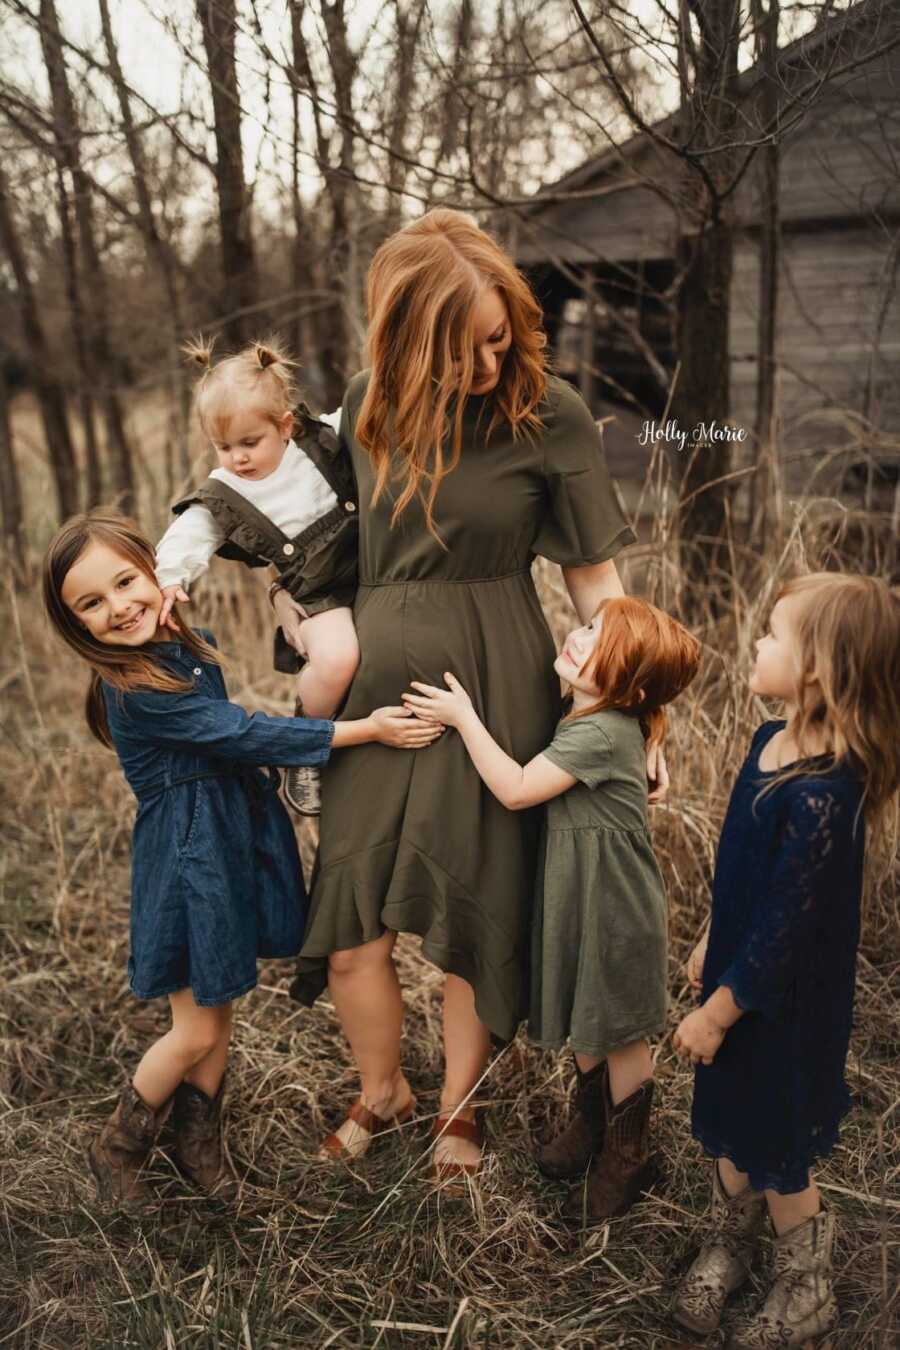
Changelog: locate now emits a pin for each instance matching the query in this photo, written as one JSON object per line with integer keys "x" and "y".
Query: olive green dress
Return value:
{"x": 411, "y": 840}
{"x": 598, "y": 966}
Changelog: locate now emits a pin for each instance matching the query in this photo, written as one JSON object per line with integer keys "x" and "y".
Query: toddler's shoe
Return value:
{"x": 303, "y": 789}
{"x": 569, "y": 1154}
{"x": 800, "y": 1307}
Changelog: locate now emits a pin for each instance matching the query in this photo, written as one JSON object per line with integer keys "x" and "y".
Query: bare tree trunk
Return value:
{"x": 218, "y": 20}
{"x": 158, "y": 254}
{"x": 50, "y": 395}
{"x": 10, "y": 486}
{"x": 93, "y": 479}
{"x": 763, "y": 481}
{"x": 705, "y": 252}
{"x": 300, "y": 254}
{"x": 103, "y": 364}
{"x": 407, "y": 26}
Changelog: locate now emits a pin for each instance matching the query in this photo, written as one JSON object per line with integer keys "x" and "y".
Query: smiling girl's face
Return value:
{"x": 116, "y": 602}
{"x": 576, "y": 649}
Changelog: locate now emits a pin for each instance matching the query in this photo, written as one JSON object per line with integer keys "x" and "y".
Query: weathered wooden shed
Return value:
{"x": 602, "y": 244}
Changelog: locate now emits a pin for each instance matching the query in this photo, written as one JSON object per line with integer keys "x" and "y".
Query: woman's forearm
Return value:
{"x": 587, "y": 586}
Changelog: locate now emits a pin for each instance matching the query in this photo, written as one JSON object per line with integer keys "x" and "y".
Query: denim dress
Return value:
{"x": 216, "y": 878}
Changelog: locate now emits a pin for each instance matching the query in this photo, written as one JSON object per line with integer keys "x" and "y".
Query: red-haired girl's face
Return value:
{"x": 492, "y": 340}
{"x": 115, "y": 601}
{"x": 576, "y": 649}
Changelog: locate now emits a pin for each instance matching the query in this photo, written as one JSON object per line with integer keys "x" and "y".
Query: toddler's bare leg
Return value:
{"x": 332, "y": 658}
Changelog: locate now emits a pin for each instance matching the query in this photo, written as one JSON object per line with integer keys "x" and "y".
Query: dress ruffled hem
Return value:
{"x": 789, "y": 1176}
{"x": 420, "y": 897}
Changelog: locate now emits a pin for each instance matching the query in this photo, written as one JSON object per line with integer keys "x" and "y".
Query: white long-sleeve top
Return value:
{"x": 292, "y": 497}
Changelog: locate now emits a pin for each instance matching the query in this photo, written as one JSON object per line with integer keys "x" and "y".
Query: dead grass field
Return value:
{"x": 314, "y": 1256}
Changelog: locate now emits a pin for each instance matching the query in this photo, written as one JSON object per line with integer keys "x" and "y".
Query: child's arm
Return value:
{"x": 515, "y": 785}
{"x": 218, "y": 728}
{"x": 815, "y": 840}
{"x": 183, "y": 554}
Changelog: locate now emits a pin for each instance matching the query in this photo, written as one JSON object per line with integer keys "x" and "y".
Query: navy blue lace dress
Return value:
{"x": 783, "y": 938}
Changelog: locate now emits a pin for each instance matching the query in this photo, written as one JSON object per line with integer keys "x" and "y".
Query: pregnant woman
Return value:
{"x": 470, "y": 460}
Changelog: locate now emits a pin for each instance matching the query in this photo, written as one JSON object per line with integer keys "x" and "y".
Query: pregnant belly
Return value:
{"x": 491, "y": 635}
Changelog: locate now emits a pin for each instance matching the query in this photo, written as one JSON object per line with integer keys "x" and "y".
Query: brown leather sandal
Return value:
{"x": 333, "y": 1147}
{"x": 447, "y": 1127}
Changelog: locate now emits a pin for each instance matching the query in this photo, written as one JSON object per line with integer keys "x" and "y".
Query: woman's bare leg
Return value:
{"x": 366, "y": 995}
{"x": 467, "y": 1045}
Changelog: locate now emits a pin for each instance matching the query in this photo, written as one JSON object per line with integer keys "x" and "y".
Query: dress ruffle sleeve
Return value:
{"x": 583, "y": 521}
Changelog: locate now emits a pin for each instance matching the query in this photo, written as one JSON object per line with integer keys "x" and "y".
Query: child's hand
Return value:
{"x": 694, "y": 966}
{"x": 171, "y": 595}
{"x": 449, "y": 706}
{"x": 698, "y": 1037}
{"x": 399, "y": 728}
{"x": 657, "y": 773}
{"x": 290, "y": 616}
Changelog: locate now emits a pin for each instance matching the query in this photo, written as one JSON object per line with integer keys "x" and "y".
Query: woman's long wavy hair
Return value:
{"x": 642, "y": 660}
{"x": 847, "y": 632}
{"x": 423, "y": 286}
{"x": 125, "y": 668}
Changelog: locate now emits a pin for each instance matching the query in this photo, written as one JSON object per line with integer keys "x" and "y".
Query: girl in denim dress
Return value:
{"x": 216, "y": 879}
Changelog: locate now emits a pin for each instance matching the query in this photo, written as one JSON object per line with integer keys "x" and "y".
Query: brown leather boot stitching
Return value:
{"x": 623, "y": 1168}
{"x": 569, "y": 1154}
{"x": 123, "y": 1145}
{"x": 197, "y": 1120}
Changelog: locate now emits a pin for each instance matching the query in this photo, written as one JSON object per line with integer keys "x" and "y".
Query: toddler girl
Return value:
{"x": 778, "y": 962}
{"x": 274, "y": 500}
{"x": 598, "y": 970}
{"x": 216, "y": 879}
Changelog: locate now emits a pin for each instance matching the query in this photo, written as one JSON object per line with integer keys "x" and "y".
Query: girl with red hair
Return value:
{"x": 598, "y": 969}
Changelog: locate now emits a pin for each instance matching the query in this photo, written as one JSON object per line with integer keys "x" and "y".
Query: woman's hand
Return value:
{"x": 449, "y": 706}
{"x": 657, "y": 773}
{"x": 399, "y": 728}
{"x": 171, "y": 595}
{"x": 290, "y": 615}
{"x": 698, "y": 1037}
{"x": 694, "y": 965}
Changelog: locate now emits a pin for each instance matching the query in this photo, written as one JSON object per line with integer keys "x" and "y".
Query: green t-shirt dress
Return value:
{"x": 412, "y": 840}
{"x": 598, "y": 968}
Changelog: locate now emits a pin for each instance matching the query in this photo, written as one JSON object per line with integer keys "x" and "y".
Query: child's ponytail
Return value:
{"x": 260, "y": 376}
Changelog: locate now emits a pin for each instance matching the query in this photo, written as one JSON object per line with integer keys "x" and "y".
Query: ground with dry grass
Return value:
{"x": 314, "y": 1255}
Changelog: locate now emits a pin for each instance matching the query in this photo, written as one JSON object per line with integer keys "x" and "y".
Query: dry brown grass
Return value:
{"x": 369, "y": 1256}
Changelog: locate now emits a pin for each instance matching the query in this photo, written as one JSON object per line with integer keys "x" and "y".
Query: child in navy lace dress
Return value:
{"x": 274, "y": 500}
{"x": 778, "y": 961}
{"x": 216, "y": 879}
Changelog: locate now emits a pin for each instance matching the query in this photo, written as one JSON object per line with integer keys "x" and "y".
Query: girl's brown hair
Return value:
{"x": 125, "y": 668}
{"x": 423, "y": 286}
{"x": 260, "y": 377}
{"x": 642, "y": 660}
{"x": 847, "y": 632}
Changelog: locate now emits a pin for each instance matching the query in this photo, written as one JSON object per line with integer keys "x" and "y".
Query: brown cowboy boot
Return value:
{"x": 723, "y": 1262}
{"x": 197, "y": 1120}
{"x": 569, "y": 1153}
{"x": 623, "y": 1168}
{"x": 800, "y": 1305}
{"x": 122, "y": 1147}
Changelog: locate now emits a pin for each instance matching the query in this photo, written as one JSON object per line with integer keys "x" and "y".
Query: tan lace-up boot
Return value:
{"x": 723, "y": 1262}
{"x": 800, "y": 1306}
